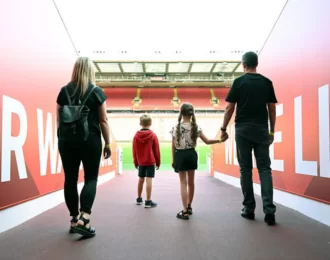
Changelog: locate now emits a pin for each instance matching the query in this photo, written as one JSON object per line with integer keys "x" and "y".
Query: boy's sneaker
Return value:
{"x": 139, "y": 201}
{"x": 150, "y": 204}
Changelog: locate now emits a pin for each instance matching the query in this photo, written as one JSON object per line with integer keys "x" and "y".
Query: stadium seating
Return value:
{"x": 156, "y": 98}
{"x": 199, "y": 97}
{"x": 120, "y": 98}
{"x": 221, "y": 94}
{"x": 165, "y": 98}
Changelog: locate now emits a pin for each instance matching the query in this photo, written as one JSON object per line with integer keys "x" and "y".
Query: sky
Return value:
{"x": 143, "y": 27}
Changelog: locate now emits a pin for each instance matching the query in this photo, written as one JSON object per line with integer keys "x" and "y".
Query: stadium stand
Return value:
{"x": 197, "y": 96}
{"x": 156, "y": 98}
{"x": 220, "y": 94}
{"x": 120, "y": 98}
{"x": 164, "y": 98}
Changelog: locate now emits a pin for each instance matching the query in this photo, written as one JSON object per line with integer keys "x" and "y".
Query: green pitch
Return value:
{"x": 166, "y": 156}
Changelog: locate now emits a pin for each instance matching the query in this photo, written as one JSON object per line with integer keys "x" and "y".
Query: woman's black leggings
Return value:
{"x": 72, "y": 154}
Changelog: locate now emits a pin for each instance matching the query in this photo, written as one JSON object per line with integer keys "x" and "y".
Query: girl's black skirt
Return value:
{"x": 185, "y": 160}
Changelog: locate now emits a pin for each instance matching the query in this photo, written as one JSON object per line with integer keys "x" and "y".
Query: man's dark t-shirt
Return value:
{"x": 95, "y": 100}
{"x": 252, "y": 92}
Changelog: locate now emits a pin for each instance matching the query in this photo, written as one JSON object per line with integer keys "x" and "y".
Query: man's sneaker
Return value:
{"x": 247, "y": 215}
{"x": 139, "y": 201}
{"x": 150, "y": 204}
{"x": 270, "y": 219}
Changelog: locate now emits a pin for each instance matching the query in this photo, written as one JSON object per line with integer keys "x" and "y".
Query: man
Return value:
{"x": 255, "y": 98}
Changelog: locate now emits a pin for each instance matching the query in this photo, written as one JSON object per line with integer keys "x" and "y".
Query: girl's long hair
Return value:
{"x": 187, "y": 109}
{"x": 82, "y": 74}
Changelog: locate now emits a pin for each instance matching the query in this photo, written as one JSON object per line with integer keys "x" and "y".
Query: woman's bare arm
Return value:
{"x": 103, "y": 120}
{"x": 57, "y": 116}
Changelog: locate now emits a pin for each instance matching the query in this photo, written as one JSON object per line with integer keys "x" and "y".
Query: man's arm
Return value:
{"x": 231, "y": 99}
{"x": 230, "y": 108}
{"x": 272, "y": 116}
{"x": 271, "y": 101}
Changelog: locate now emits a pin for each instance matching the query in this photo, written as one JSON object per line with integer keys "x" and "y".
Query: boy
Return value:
{"x": 146, "y": 154}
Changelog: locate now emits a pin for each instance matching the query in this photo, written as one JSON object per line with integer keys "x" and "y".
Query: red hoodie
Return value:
{"x": 146, "y": 148}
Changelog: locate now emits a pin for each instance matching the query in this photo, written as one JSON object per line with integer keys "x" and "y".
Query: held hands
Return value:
{"x": 223, "y": 136}
{"x": 107, "y": 151}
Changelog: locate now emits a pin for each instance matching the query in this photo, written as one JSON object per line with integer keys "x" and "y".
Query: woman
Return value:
{"x": 88, "y": 152}
{"x": 184, "y": 140}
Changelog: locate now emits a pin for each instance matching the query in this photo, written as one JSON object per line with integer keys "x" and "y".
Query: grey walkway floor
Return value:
{"x": 126, "y": 231}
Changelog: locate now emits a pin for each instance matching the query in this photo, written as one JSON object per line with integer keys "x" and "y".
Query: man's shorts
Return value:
{"x": 147, "y": 171}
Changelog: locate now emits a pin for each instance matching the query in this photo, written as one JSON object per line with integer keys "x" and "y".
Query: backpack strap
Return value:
{"x": 67, "y": 94}
{"x": 88, "y": 95}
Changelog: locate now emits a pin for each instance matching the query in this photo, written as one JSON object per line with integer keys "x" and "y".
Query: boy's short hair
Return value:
{"x": 145, "y": 120}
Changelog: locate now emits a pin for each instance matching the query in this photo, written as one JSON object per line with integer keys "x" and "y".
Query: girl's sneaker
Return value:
{"x": 139, "y": 201}
{"x": 150, "y": 204}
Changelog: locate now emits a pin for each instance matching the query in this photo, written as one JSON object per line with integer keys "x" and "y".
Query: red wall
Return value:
{"x": 297, "y": 59}
{"x": 36, "y": 60}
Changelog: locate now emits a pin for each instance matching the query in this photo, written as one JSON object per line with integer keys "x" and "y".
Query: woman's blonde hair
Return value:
{"x": 82, "y": 74}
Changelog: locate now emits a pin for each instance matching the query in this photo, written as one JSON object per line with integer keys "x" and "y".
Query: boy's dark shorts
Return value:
{"x": 147, "y": 171}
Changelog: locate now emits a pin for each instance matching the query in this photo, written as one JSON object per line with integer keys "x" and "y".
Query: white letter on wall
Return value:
{"x": 46, "y": 143}
{"x": 302, "y": 167}
{"x": 277, "y": 165}
{"x": 324, "y": 131}
{"x": 13, "y": 143}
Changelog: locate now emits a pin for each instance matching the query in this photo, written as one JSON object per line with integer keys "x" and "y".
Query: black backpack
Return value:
{"x": 73, "y": 119}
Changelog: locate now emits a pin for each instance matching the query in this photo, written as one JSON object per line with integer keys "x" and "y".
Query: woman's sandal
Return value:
{"x": 73, "y": 225}
{"x": 182, "y": 215}
{"x": 83, "y": 230}
{"x": 189, "y": 210}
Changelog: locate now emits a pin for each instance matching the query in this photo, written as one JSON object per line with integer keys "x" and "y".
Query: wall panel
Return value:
{"x": 296, "y": 58}
{"x": 36, "y": 60}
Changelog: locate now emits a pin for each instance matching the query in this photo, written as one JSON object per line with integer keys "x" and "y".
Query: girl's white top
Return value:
{"x": 185, "y": 140}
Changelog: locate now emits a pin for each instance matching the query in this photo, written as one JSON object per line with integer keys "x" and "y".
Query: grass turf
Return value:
{"x": 166, "y": 156}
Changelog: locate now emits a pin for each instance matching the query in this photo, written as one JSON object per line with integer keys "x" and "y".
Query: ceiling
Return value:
{"x": 171, "y": 30}
{"x": 191, "y": 43}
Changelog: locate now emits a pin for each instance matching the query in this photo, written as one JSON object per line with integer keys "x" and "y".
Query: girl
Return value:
{"x": 184, "y": 140}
